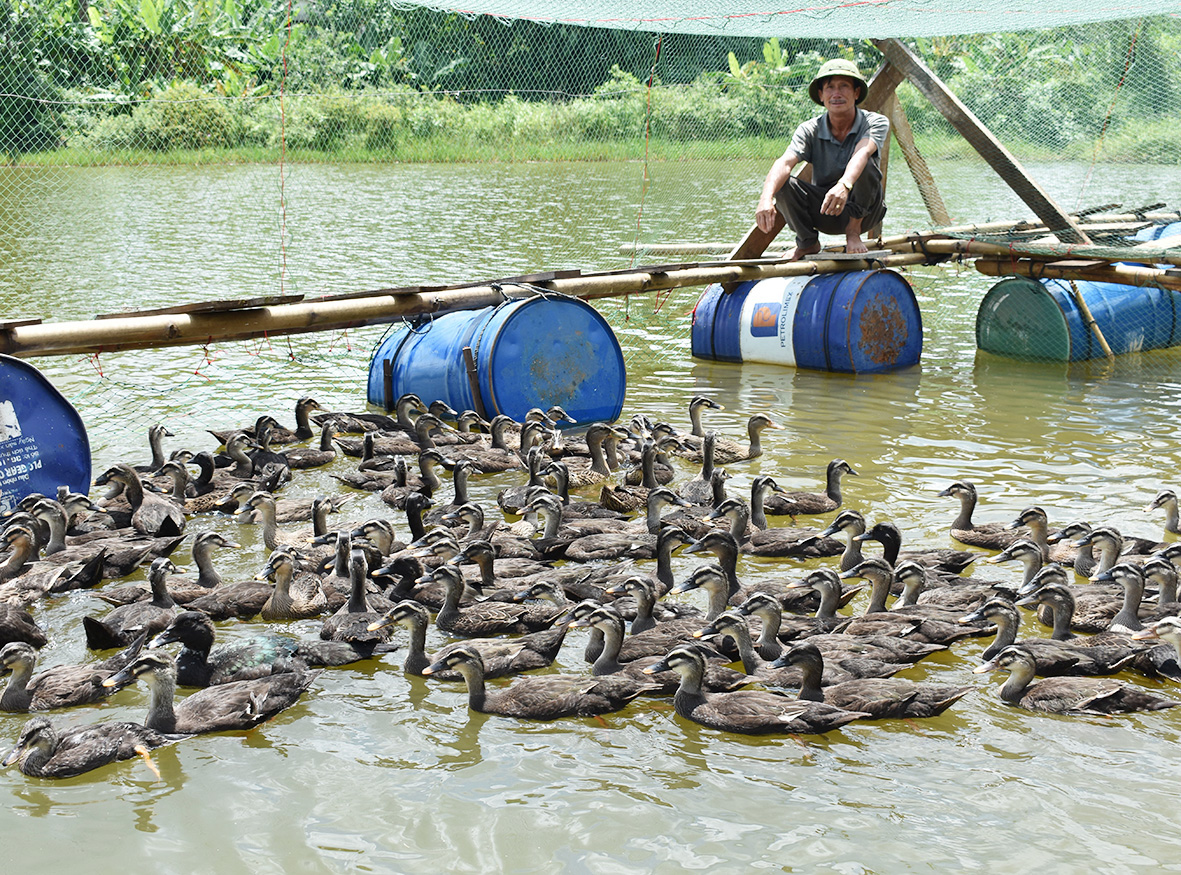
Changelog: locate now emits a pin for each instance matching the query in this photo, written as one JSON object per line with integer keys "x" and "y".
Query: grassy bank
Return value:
{"x": 621, "y": 121}
{"x": 1122, "y": 149}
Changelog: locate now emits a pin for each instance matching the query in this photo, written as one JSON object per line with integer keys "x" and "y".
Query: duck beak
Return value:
{"x": 655, "y": 667}
{"x": 1146, "y": 633}
{"x": 985, "y": 667}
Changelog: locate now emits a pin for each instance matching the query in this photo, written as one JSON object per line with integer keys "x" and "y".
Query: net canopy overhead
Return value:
{"x": 846, "y": 18}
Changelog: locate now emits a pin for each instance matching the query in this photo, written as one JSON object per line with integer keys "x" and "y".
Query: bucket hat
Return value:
{"x": 837, "y": 67}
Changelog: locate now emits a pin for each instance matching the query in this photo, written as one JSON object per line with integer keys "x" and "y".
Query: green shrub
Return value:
{"x": 384, "y": 127}
{"x": 114, "y": 133}
{"x": 185, "y": 117}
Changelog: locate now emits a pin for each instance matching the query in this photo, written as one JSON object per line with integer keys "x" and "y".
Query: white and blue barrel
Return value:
{"x": 530, "y": 352}
{"x": 852, "y": 322}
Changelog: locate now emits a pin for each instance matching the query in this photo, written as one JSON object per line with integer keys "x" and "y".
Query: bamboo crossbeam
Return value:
{"x": 1124, "y": 274}
{"x": 1130, "y": 220}
{"x": 201, "y": 327}
{"x": 1046, "y": 253}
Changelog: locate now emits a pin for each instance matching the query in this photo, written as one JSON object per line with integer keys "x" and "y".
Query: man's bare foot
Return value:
{"x": 809, "y": 249}
{"x": 854, "y": 245}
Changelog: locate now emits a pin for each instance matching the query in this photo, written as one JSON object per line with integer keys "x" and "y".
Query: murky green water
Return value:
{"x": 377, "y": 771}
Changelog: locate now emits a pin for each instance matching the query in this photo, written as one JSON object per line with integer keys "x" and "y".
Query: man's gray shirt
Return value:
{"x": 813, "y": 142}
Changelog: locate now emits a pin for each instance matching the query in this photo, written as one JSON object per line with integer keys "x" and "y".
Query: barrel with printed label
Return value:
{"x": 852, "y": 322}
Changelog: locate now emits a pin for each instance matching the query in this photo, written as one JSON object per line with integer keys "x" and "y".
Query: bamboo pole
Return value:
{"x": 1045, "y": 253}
{"x": 921, "y": 173}
{"x": 1123, "y": 274}
{"x": 1131, "y": 220}
{"x": 200, "y": 327}
{"x": 1089, "y": 319}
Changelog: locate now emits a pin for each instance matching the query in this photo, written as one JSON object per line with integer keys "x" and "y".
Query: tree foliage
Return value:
{"x": 113, "y": 58}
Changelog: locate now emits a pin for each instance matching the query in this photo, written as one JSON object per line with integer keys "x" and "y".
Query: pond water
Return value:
{"x": 377, "y": 771}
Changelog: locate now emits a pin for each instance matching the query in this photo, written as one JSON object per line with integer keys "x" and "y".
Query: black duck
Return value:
{"x": 232, "y": 706}
{"x": 1066, "y": 695}
{"x": 795, "y": 504}
{"x": 502, "y": 656}
{"x": 126, "y": 623}
{"x": 751, "y": 712}
{"x": 990, "y": 536}
{"x": 545, "y": 697}
{"x": 44, "y": 751}
{"x": 880, "y": 697}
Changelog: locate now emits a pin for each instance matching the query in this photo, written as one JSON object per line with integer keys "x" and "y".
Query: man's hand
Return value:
{"x": 765, "y": 216}
{"x": 836, "y": 200}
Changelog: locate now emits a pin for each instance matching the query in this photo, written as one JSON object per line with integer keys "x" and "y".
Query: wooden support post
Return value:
{"x": 904, "y": 136}
{"x": 387, "y": 384}
{"x": 982, "y": 140}
{"x": 473, "y": 380}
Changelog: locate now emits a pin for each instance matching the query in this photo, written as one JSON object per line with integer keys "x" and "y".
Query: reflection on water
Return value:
{"x": 382, "y": 771}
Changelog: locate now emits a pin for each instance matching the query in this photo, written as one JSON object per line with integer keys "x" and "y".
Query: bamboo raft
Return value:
{"x": 201, "y": 323}
{"x": 1058, "y": 244}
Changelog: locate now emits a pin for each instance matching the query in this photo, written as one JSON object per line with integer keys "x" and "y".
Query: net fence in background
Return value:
{"x": 133, "y": 87}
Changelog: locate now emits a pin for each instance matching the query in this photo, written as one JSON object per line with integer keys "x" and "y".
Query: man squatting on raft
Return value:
{"x": 844, "y": 148}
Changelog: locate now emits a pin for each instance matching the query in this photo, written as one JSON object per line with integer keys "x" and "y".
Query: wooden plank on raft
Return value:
{"x": 1076, "y": 264}
{"x": 982, "y": 140}
{"x": 828, "y": 255}
{"x": 210, "y": 306}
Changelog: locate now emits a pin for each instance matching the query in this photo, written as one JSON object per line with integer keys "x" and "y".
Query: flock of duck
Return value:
{"x": 774, "y": 656}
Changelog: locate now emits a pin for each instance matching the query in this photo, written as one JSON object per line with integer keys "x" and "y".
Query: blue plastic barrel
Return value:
{"x": 43, "y": 442}
{"x": 1156, "y": 232}
{"x": 852, "y": 322}
{"x": 531, "y": 352}
{"x": 1030, "y": 319}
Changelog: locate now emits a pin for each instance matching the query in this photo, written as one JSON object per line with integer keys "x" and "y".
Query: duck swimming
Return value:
{"x": 199, "y": 664}
{"x": 1167, "y": 499}
{"x": 1066, "y": 695}
{"x": 294, "y": 597}
{"x": 542, "y": 697}
{"x": 62, "y": 686}
{"x": 943, "y": 560}
{"x": 502, "y": 656}
{"x": 151, "y": 514}
{"x": 729, "y": 451}
{"x": 752, "y": 712}
{"x": 126, "y": 623}
{"x": 881, "y": 697}
{"x": 610, "y": 623}
{"x": 485, "y": 618}
{"x": 795, "y": 504}
{"x": 1052, "y": 657}
{"x": 733, "y": 625}
{"x": 44, "y": 751}
{"x": 231, "y": 706}
{"x": 990, "y": 536}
